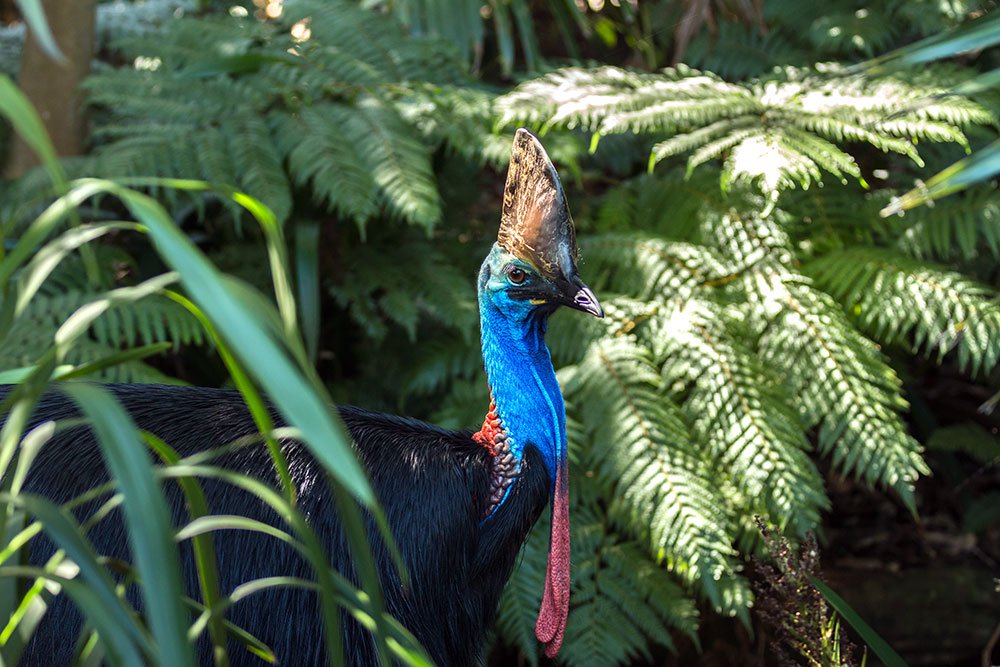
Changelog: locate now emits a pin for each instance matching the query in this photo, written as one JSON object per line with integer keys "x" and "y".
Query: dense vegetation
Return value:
{"x": 768, "y": 329}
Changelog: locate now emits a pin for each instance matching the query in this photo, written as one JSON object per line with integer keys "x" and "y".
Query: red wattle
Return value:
{"x": 551, "y": 624}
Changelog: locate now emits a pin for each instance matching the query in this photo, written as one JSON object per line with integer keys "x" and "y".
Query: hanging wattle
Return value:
{"x": 551, "y": 624}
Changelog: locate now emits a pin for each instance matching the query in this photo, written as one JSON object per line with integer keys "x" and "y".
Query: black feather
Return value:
{"x": 432, "y": 484}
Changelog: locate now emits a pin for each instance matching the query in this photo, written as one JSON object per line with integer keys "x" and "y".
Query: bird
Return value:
{"x": 459, "y": 505}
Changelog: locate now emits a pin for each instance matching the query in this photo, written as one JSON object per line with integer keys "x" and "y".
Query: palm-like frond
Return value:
{"x": 740, "y": 410}
{"x": 661, "y": 483}
{"x": 778, "y": 132}
{"x": 899, "y": 299}
{"x": 154, "y": 319}
{"x": 841, "y": 384}
{"x": 343, "y": 113}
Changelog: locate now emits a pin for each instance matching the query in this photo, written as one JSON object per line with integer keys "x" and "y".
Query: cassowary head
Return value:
{"x": 530, "y": 272}
{"x": 532, "y": 267}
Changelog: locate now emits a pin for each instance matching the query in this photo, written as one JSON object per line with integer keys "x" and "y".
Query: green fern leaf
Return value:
{"x": 840, "y": 383}
{"x": 322, "y": 152}
{"x": 742, "y": 413}
{"x": 896, "y": 298}
{"x": 664, "y": 491}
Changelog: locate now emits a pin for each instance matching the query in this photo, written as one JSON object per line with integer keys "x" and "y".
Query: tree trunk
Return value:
{"x": 53, "y": 87}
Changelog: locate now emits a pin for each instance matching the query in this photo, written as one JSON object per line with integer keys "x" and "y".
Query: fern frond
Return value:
{"x": 621, "y": 601}
{"x": 778, "y": 131}
{"x": 571, "y": 337}
{"x": 440, "y": 362}
{"x": 347, "y": 110}
{"x": 152, "y": 320}
{"x": 667, "y": 204}
{"x": 840, "y": 383}
{"x": 736, "y": 406}
{"x": 968, "y": 438}
{"x": 250, "y": 143}
{"x": 896, "y": 299}
{"x": 400, "y": 283}
{"x": 399, "y": 162}
{"x": 955, "y": 227}
{"x": 648, "y": 266}
{"x": 322, "y": 152}
{"x": 738, "y": 51}
{"x": 863, "y": 31}
{"x": 662, "y": 486}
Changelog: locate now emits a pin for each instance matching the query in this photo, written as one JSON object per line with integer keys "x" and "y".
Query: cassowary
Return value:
{"x": 459, "y": 505}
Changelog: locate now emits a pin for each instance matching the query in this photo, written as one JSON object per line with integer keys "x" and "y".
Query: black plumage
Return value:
{"x": 458, "y": 565}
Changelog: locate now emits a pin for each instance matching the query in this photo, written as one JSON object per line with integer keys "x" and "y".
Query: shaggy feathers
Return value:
{"x": 455, "y": 581}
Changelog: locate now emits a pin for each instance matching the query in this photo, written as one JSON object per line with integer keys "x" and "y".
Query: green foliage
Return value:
{"x": 153, "y": 320}
{"x": 663, "y": 489}
{"x": 466, "y": 23}
{"x": 778, "y": 132}
{"x": 330, "y": 99}
{"x": 744, "y": 331}
{"x": 896, "y": 299}
{"x": 242, "y": 324}
{"x": 842, "y": 30}
{"x": 405, "y": 283}
{"x": 622, "y": 602}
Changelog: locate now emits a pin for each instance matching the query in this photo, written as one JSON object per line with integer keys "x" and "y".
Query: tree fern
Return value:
{"x": 835, "y": 376}
{"x": 151, "y": 320}
{"x": 841, "y": 384}
{"x": 899, "y": 299}
{"x": 663, "y": 488}
{"x": 397, "y": 284}
{"x": 778, "y": 132}
{"x": 739, "y": 50}
{"x": 319, "y": 155}
{"x": 621, "y": 600}
{"x": 341, "y": 112}
{"x": 647, "y": 266}
{"x": 740, "y": 410}
{"x": 958, "y": 227}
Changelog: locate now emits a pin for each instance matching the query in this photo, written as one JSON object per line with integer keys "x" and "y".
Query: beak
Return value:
{"x": 586, "y": 301}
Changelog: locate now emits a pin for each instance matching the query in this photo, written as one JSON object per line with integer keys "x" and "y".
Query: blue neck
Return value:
{"x": 519, "y": 369}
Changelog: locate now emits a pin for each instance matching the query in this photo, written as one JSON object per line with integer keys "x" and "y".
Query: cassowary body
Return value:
{"x": 458, "y": 567}
{"x": 459, "y": 505}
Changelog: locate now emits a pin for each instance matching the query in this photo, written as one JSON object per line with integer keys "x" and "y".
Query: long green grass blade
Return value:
{"x": 307, "y": 281}
{"x": 18, "y": 110}
{"x": 19, "y": 375}
{"x": 255, "y": 403}
{"x": 149, "y": 522}
{"x": 878, "y": 645}
{"x": 202, "y": 545}
{"x": 52, "y": 253}
{"x": 64, "y": 373}
{"x": 981, "y": 166}
{"x": 44, "y": 224}
{"x": 274, "y": 238}
{"x": 251, "y": 643}
{"x": 34, "y": 15}
{"x": 94, "y": 609}
{"x": 105, "y": 607}
{"x": 332, "y": 585}
{"x": 981, "y": 33}
{"x": 301, "y": 401}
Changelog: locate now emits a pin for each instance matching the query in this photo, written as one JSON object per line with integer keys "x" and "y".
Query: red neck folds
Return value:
{"x": 506, "y": 467}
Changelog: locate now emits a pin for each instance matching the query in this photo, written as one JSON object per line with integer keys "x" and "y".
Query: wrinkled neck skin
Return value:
{"x": 519, "y": 369}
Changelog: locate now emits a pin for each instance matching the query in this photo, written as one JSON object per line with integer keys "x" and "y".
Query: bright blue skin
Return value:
{"x": 518, "y": 366}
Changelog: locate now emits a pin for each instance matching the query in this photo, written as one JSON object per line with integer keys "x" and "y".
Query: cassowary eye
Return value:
{"x": 517, "y": 276}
